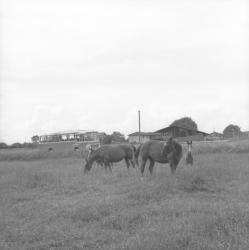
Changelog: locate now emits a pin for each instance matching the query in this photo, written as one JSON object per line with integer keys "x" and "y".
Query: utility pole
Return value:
{"x": 139, "y": 127}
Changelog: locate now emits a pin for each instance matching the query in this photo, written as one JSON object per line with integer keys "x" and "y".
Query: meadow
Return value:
{"x": 46, "y": 202}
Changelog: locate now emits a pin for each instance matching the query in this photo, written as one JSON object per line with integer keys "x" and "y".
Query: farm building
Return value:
{"x": 214, "y": 136}
{"x": 245, "y": 134}
{"x": 144, "y": 136}
{"x": 181, "y": 133}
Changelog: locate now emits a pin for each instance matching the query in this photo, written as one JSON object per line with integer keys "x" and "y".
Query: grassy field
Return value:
{"x": 51, "y": 204}
{"x": 24, "y": 154}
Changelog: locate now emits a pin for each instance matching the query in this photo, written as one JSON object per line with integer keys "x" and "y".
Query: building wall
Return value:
{"x": 135, "y": 138}
{"x": 196, "y": 137}
{"x": 66, "y": 146}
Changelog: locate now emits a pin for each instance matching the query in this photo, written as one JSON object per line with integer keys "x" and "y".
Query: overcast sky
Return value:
{"x": 93, "y": 64}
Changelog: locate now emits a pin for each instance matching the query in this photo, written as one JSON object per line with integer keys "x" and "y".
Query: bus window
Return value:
{"x": 71, "y": 137}
{"x": 64, "y": 137}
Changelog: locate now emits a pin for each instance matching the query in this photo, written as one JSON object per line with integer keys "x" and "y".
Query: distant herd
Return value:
{"x": 168, "y": 151}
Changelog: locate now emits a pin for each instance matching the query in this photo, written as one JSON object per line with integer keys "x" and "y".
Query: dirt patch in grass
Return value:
{"x": 89, "y": 213}
{"x": 225, "y": 230}
{"x": 124, "y": 222}
{"x": 149, "y": 191}
{"x": 196, "y": 184}
{"x": 33, "y": 179}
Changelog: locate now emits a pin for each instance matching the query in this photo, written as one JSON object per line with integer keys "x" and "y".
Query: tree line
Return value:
{"x": 185, "y": 122}
{"x": 115, "y": 137}
{"x": 229, "y": 131}
{"x": 17, "y": 145}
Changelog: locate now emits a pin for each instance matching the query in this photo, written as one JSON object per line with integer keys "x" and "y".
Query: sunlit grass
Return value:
{"x": 237, "y": 146}
{"x": 25, "y": 154}
{"x": 51, "y": 204}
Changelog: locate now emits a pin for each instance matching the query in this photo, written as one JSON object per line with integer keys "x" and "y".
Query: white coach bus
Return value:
{"x": 69, "y": 140}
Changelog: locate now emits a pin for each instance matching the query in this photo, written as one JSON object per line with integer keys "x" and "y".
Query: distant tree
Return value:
{"x": 231, "y": 131}
{"x": 16, "y": 145}
{"x": 29, "y": 145}
{"x": 185, "y": 122}
{"x": 35, "y": 138}
{"x": 107, "y": 139}
{"x": 3, "y": 145}
{"x": 118, "y": 137}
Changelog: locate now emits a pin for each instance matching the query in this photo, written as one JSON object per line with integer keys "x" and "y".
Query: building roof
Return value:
{"x": 70, "y": 132}
{"x": 214, "y": 133}
{"x": 143, "y": 134}
{"x": 175, "y": 126}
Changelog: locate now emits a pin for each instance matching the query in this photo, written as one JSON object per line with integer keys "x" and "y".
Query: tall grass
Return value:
{"x": 34, "y": 154}
{"x": 241, "y": 146}
{"x": 51, "y": 204}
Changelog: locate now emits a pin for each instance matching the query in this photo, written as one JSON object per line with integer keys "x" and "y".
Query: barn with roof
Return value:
{"x": 177, "y": 132}
{"x": 215, "y": 136}
{"x": 182, "y": 133}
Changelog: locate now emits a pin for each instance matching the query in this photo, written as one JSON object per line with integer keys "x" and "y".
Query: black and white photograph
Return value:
{"x": 124, "y": 125}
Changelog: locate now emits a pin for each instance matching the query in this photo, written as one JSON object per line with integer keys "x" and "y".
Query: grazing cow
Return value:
{"x": 158, "y": 151}
{"x": 189, "y": 157}
{"x": 100, "y": 162}
{"x": 111, "y": 153}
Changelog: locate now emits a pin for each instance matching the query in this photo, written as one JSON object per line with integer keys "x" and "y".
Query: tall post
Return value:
{"x": 139, "y": 127}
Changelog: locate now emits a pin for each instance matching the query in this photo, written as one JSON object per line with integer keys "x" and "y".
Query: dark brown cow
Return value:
{"x": 158, "y": 151}
{"x": 111, "y": 153}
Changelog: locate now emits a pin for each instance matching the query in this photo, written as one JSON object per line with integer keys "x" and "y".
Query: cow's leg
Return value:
{"x": 143, "y": 165}
{"x": 173, "y": 166}
{"x": 127, "y": 162}
{"x": 110, "y": 168}
{"x": 174, "y": 163}
{"x": 107, "y": 164}
{"x": 132, "y": 161}
{"x": 152, "y": 163}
